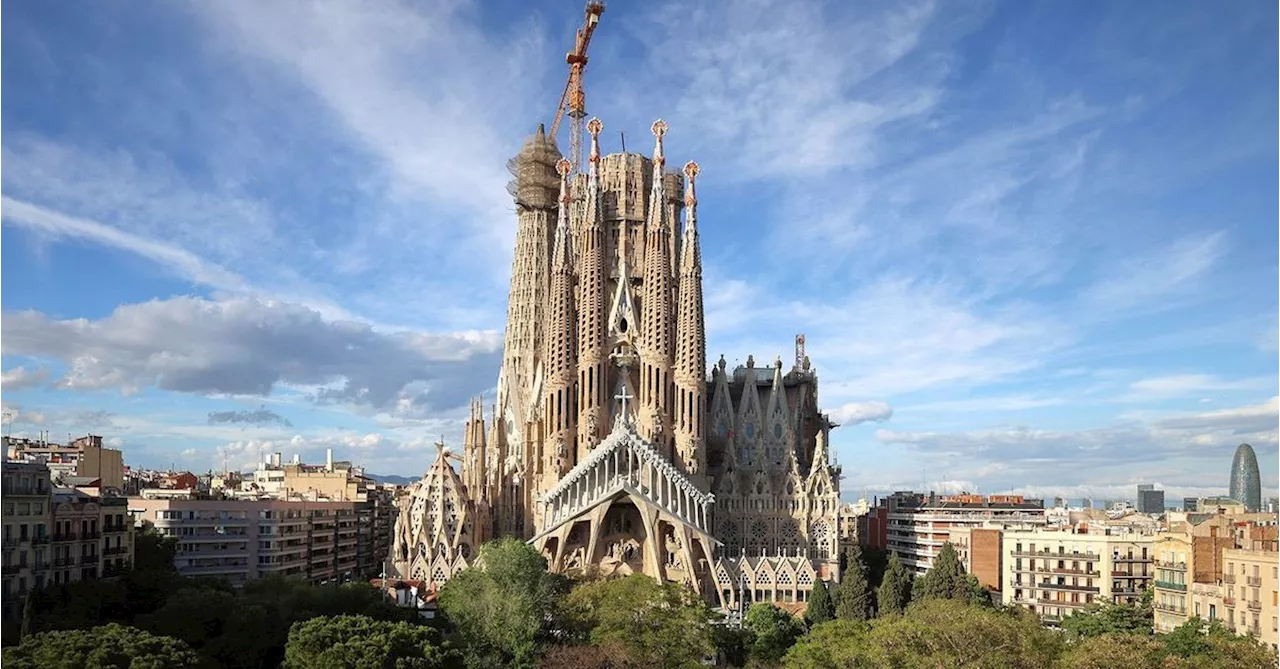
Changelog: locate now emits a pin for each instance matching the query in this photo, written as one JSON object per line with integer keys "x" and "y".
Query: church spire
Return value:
{"x": 561, "y": 345}
{"x": 591, "y": 305}
{"x": 691, "y": 339}
{"x": 655, "y": 368}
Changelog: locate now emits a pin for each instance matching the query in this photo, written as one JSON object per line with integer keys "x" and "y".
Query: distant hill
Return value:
{"x": 392, "y": 479}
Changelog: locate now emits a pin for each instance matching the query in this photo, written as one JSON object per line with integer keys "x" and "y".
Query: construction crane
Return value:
{"x": 573, "y": 99}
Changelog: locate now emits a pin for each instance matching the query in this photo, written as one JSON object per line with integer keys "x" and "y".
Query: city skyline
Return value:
{"x": 1018, "y": 257}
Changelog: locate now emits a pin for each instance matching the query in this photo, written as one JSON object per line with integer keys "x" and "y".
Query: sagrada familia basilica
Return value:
{"x": 611, "y": 446}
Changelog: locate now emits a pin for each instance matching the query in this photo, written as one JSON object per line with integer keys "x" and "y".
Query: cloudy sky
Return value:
{"x": 1032, "y": 247}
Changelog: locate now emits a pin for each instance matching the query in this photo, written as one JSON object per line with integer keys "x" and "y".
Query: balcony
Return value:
{"x": 1168, "y": 564}
{"x": 1170, "y": 608}
{"x": 1229, "y": 601}
{"x": 1129, "y": 558}
{"x": 1046, "y": 555}
{"x": 13, "y": 568}
{"x": 1254, "y": 581}
{"x": 41, "y": 539}
{"x": 1229, "y": 579}
{"x": 1167, "y": 585}
{"x": 115, "y": 550}
{"x": 1255, "y": 605}
{"x": 1064, "y": 586}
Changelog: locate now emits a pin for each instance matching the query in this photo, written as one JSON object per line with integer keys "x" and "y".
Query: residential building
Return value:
{"x": 1250, "y": 589}
{"x": 981, "y": 552}
{"x": 1055, "y": 573}
{"x": 92, "y": 536}
{"x": 245, "y": 539}
{"x": 84, "y": 456}
{"x": 1189, "y": 560}
{"x": 918, "y": 525}
{"x": 26, "y": 490}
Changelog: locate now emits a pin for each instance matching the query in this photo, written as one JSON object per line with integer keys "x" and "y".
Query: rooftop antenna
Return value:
{"x": 623, "y": 136}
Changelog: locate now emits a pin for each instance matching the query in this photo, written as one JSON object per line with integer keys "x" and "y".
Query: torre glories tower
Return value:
{"x": 1246, "y": 483}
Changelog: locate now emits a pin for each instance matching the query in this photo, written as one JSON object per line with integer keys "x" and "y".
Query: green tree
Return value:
{"x": 853, "y": 595}
{"x": 1098, "y": 619}
{"x": 771, "y": 631}
{"x": 821, "y": 608}
{"x": 894, "y": 593}
{"x": 153, "y": 551}
{"x": 935, "y": 633}
{"x": 656, "y": 624}
{"x": 29, "y": 614}
{"x": 360, "y": 642}
{"x": 877, "y": 561}
{"x": 502, "y": 607}
{"x": 111, "y": 646}
{"x": 1115, "y": 651}
{"x": 945, "y": 579}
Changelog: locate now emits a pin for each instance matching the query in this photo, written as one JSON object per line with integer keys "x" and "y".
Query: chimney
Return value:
{"x": 328, "y": 459}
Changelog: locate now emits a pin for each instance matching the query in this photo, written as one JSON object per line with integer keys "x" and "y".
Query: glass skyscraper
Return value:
{"x": 1246, "y": 483}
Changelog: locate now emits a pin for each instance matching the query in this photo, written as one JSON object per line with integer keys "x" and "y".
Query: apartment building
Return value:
{"x": 244, "y": 539}
{"x": 917, "y": 525}
{"x": 980, "y": 550}
{"x": 85, "y": 457}
{"x": 1055, "y": 573}
{"x": 1250, "y": 592}
{"x": 26, "y": 490}
{"x": 92, "y": 536}
{"x": 1189, "y": 555}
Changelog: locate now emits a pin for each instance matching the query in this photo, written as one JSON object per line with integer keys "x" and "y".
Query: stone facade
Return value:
{"x": 609, "y": 445}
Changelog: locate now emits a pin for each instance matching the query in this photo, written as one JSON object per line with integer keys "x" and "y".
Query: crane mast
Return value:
{"x": 573, "y": 100}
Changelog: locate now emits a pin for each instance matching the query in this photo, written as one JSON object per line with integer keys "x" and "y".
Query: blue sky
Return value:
{"x": 1032, "y": 247}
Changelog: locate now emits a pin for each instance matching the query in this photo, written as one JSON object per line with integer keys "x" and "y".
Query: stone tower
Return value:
{"x": 608, "y": 437}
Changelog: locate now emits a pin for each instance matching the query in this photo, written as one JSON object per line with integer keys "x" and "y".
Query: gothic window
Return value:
{"x": 790, "y": 529}
{"x": 805, "y": 579}
{"x": 784, "y": 578}
{"x": 759, "y": 530}
{"x": 751, "y": 431}
{"x": 777, "y": 430}
{"x": 439, "y": 577}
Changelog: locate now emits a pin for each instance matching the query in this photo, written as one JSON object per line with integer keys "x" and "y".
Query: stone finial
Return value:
{"x": 721, "y": 363}
{"x": 595, "y": 127}
{"x": 691, "y": 170}
{"x": 659, "y": 129}
{"x": 751, "y": 362}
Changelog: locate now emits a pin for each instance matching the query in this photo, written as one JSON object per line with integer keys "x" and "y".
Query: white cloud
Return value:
{"x": 440, "y": 130}
{"x": 186, "y": 264}
{"x": 1150, "y": 280}
{"x": 1179, "y": 385}
{"x": 21, "y": 377}
{"x": 854, "y": 413}
{"x": 246, "y": 346}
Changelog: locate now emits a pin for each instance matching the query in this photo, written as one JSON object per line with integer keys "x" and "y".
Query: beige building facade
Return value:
{"x": 27, "y": 533}
{"x": 243, "y": 540}
{"x": 1055, "y": 573}
{"x": 84, "y": 457}
{"x": 1250, "y": 592}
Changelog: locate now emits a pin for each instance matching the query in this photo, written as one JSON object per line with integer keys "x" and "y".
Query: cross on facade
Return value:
{"x": 623, "y": 396}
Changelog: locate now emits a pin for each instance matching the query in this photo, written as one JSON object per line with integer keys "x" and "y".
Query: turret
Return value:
{"x": 533, "y": 188}
{"x": 593, "y": 421}
{"x": 691, "y": 342}
{"x": 655, "y": 311}
{"x": 560, "y": 349}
